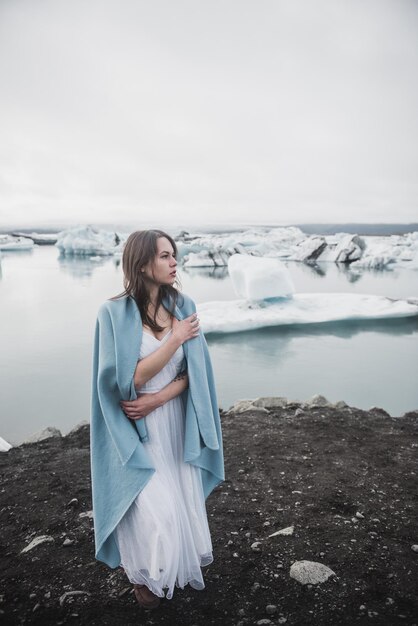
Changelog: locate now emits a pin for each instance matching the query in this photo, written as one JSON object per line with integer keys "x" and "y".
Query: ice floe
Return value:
{"x": 291, "y": 244}
{"x": 258, "y": 278}
{"x": 285, "y": 242}
{"x": 228, "y": 316}
{"x": 85, "y": 240}
{"x": 10, "y": 243}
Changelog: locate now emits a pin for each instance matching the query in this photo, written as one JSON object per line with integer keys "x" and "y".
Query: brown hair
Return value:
{"x": 140, "y": 248}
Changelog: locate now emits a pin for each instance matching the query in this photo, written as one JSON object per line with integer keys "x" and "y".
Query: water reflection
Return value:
{"x": 270, "y": 340}
{"x": 81, "y": 266}
{"x": 217, "y": 273}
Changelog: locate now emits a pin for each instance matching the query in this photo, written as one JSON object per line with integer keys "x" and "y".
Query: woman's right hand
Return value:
{"x": 186, "y": 329}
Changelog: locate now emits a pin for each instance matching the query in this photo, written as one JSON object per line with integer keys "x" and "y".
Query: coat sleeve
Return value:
{"x": 106, "y": 392}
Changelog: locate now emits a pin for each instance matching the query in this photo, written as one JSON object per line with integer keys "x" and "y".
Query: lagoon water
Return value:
{"x": 48, "y": 311}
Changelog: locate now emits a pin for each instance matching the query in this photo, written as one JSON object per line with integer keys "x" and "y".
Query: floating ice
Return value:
{"x": 257, "y": 278}
{"x": 85, "y": 240}
{"x": 8, "y": 242}
{"x": 292, "y": 244}
{"x": 228, "y": 316}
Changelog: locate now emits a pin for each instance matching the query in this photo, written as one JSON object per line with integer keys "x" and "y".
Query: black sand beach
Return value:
{"x": 343, "y": 478}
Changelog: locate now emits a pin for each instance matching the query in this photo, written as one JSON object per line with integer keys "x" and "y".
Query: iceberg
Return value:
{"x": 229, "y": 316}
{"x": 291, "y": 244}
{"x": 85, "y": 240}
{"x": 259, "y": 278}
{"x": 10, "y": 243}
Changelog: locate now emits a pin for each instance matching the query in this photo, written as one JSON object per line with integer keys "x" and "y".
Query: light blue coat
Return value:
{"x": 120, "y": 464}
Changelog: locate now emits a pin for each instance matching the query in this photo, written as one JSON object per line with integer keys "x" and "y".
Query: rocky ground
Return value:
{"x": 341, "y": 480}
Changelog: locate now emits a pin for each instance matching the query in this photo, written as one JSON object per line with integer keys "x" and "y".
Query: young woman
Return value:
{"x": 156, "y": 441}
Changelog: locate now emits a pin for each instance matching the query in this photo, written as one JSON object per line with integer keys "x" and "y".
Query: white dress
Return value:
{"x": 164, "y": 537}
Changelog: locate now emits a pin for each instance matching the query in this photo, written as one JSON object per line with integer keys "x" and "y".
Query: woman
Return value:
{"x": 156, "y": 441}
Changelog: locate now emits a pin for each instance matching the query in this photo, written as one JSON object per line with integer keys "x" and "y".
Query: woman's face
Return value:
{"x": 162, "y": 270}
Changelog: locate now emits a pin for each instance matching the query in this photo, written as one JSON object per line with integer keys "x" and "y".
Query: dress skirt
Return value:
{"x": 164, "y": 537}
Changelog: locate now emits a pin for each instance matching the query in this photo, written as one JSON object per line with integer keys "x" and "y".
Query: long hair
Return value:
{"x": 141, "y": 248}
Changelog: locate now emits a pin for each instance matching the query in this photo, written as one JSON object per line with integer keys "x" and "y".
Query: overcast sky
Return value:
{"x": 279, "y": 111}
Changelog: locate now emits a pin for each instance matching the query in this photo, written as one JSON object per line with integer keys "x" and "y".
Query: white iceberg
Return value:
{"x": 258, "y": 278}
{"x": 291, "y": 244}
{"x": 85, "y": 240}
{"x": 229, "y": 316}
{"x": 10, "y": 243}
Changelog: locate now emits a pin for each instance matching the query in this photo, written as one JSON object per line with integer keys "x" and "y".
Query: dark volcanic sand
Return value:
{"x": 313, "y": 471}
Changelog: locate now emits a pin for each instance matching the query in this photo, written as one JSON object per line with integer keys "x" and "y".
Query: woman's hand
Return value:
{"x": 186, "y": 329}
{"x": 139, "y": 408}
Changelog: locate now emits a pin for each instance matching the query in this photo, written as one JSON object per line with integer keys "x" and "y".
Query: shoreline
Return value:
{"x": 336, "y": 486}
{"x": 239, "y": 406}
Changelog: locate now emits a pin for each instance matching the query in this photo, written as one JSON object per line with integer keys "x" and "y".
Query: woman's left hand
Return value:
{"x": 139, "y": 408}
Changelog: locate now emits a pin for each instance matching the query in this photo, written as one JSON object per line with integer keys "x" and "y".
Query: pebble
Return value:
{"x": 73, "y": 502}
{"x": 282, "y": 620}
{"x": 36, "y": 542}
{"x": 310, "y": 572}
{"x": 261, "y": 622}
{"x": 256, "y": 546}
{"x": 359, "y": 515}
{"x": 241, "y": 612}
{"x": 414, "y": 547}
{"x": 271, "y": 609}
{"x": 68, "y": 542}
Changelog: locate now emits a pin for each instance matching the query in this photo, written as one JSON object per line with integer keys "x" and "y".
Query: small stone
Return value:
{"x": 68, "y": 542}
{"x": 389, "y": 601}
{"x": 47, "y": 595}
{"x": 256, "y": 546}
{"x": 88, "y": 514}
{"x": 262, "y": 622}
{"x": 414, "y": 547}
{"x": 362, "y": 607}
{"x": 310, "y": 572}
{"x": 284, "y": 531}
{"x": 36, "y": 542}
{"x": 70, "y": 594}
{"x": 235, "y": 555}
{"x": 73, "y": 502}
{"x": 32, "y": 596}
{"x": 282, "y": 620}
{"x": 255, "y": 587}
{"x": 36, "y": 607}
{"x": 271, "y": 609}
{"x": 359, "y": 515}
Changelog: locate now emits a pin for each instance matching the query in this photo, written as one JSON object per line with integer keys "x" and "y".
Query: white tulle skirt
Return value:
{"x": 164, "y": 537}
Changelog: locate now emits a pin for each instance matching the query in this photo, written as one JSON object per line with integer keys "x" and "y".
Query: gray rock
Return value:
{"x": 317, "y": 401}
{"x": 270, "y": 402}
{"x": 88, "y": 514}
{"x": 310, "y": 572}
{"x": 70, "y": 594}
{"x": 340, "y": 404}
{"x": 271, "y": 609}
{"x": 78, "y": 427}
{"x": 414, "y": 547}
{"x": 256, "y": 546}
{"x": 262, "y": 622}
{"x": 284, "y": 531}
{"x": 47, "y": 433}
{"x": 36, "y": 542}
{"x": 68, "y": 542}
{"x": 241, "y": 406}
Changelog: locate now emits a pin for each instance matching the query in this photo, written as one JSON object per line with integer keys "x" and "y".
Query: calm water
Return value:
{"x": 48, "y": 311}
